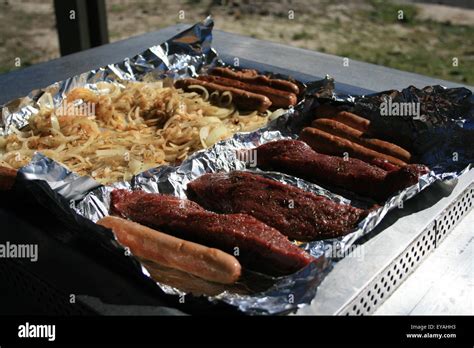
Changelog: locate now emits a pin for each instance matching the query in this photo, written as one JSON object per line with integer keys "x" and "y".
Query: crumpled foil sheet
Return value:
{"x": 171, "y": 59}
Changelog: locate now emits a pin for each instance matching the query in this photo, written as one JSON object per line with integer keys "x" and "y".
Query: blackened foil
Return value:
{"x": 441, "y": 136}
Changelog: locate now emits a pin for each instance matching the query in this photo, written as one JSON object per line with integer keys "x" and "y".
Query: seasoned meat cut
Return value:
{"x": 297, "y": 158}
{"x": 294, "y": 212}
{"x": 255, "y": 244}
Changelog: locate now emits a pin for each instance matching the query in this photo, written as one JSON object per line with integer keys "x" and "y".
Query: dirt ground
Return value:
{"x": 425, "y": 40}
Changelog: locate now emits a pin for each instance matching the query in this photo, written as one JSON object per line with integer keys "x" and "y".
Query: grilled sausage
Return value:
{"x": 251, "y": 76}
{"x": 279, "y": 99}
{"x": 348, "y": 118}
{"x": 207, "y": 263}
{"x": 243, "y": 99}
{"x": 341, "y": 130}
{"x": 330, "y": 144}
{"x": 237, "y": 74}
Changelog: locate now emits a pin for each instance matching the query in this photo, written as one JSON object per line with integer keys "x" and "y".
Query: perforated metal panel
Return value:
{"x": 453, "y": 214}
{"x": 381, "y": 286}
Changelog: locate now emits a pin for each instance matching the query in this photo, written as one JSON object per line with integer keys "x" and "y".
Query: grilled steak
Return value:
{"x": 294, "y": 212}
{"x": 260, "y": 247}
{"x": 297, "y": 158}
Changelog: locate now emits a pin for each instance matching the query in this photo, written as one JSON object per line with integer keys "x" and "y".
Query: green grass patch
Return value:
{"x": 303, "y": 35}
{"x": 117, "y": 8}
{"x": 388, "y": 12}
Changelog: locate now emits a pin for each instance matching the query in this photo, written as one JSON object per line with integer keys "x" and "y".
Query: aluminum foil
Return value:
{"x": 190, "y": 52}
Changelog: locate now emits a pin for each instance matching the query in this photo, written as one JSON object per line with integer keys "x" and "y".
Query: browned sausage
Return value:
{"x": 279, "y": 99}
{"x": 330, "y": 144}
{"x": 242, "y": 99}
{"x": 348, "y": 118}
{"x": 344, "y": 131}
{"x": 7, "y": 178}
{"x": 255, "y": 78}
{"x": 207, "y": 263}
{"x": 238, "y": 74}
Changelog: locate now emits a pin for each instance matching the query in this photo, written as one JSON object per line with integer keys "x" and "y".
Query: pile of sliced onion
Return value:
{"x": 120, "y": 151}
{"x": 214, "y": 133}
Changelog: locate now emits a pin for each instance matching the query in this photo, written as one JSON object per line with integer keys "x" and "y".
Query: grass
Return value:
{"x": 302, "y": 36}
{"x": 15, "y": 42}
{"x": 117, "y": 8}
{"x": 426, "y": 48}
{"x": 384, "y": 12}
